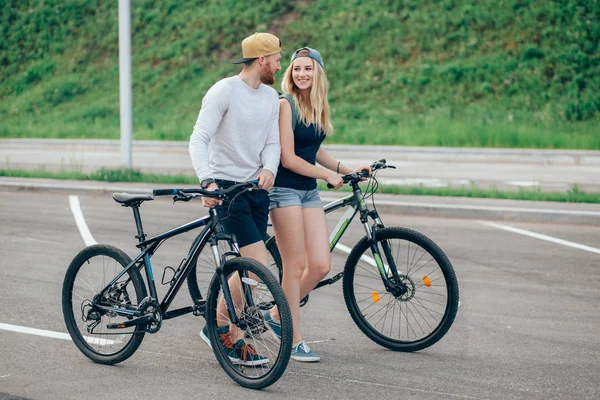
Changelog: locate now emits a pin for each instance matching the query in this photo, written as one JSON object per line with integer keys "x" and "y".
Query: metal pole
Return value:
{"x": 125, "y": 80}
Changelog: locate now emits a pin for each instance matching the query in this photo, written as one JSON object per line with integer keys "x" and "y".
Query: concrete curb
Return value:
{"x": 486, "y": 209}
{"x": 450, "y": 154}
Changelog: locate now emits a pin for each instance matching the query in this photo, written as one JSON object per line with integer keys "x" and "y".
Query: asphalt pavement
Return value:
{"x": 526, "y": 328}
{"x": 504, "y": 169}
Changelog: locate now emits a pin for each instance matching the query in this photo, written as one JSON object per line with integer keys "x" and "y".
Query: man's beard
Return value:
{"x": 267, "y": 76}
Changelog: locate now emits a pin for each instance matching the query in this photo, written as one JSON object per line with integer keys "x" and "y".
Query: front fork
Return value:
{"x": 220, "y": 259}
{"x": 389, "y": 273}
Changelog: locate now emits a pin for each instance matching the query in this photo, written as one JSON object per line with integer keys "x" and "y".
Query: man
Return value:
{"x": 236, "y": 139}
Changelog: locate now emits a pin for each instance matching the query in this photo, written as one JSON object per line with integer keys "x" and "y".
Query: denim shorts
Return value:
{"x": 286, "y": 197}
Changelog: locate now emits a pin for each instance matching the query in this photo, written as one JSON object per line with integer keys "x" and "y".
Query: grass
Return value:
{"x": 492, "y": 73}
{"x": 103, "y": 174}
{"x": 574, "y": 195}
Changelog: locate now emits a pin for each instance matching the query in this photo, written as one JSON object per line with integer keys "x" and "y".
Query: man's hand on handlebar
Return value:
{"x": 265, "y": 179}
{"x": 210, "y": 202}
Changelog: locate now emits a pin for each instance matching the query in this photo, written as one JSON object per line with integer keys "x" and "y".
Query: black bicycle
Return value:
{"x": 108, "y": 310}
{"x": 399, "y": 286}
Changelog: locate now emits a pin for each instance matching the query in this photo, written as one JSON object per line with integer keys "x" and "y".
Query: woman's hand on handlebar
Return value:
{"x": 210, "y": 202}
{"x": 334, "y": 181}
{"x": 361, "y": 169}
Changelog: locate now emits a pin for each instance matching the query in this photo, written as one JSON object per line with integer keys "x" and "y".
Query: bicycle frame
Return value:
{"x": 356, "y": 204}
{"x": 211, "y": 232}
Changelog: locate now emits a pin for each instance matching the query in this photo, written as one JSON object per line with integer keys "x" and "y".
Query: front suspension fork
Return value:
{"x": 384, "y": 270}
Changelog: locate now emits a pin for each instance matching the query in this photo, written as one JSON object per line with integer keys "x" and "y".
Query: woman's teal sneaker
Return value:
{"x": 273, "y": 325}
{"x": 301, "y": 352}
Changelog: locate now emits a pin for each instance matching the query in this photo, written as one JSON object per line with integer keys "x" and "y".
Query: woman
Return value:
{"x": 296, "y": 208}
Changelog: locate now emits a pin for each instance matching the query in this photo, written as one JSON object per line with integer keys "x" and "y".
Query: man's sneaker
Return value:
{"x": 225, "y": 338}
{"x": 301, "y": 352}
{"x": 273, "y": 325}
{"x": 240, "y": 353}
{"x": 247, "y": 355}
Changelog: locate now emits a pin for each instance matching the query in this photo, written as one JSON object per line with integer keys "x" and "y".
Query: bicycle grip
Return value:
{"x": 330, "y": 186}
{"x": 164, "y": 192}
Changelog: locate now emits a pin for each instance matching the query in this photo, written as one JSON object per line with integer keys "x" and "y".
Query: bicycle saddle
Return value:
{"x": 130, "y": 199}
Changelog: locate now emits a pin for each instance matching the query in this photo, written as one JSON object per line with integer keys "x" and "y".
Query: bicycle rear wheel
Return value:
{"x": 249, "y": 352}
{"x": 415, "y": 319}
{"x": 89, "y": 272}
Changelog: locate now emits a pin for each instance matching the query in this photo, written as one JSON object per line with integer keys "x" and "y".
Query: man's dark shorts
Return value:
{"x": 247, "y": 217}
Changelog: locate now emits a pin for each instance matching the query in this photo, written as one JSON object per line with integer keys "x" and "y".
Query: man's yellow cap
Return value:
{"x": 257, "y": 45}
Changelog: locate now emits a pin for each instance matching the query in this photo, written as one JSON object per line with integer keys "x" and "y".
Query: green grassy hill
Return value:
{"x": 436, "y": 73}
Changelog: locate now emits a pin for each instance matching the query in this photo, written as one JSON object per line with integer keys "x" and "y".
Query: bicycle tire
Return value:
{"x": 423, "y": 294}
{"x": 76, "y": 297}
{"x": 204, "y": 266}
{"x": 256, "y": 330}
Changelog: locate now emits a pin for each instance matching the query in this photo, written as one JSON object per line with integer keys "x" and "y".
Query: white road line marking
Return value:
{"x": 33, "y": 331}
{"x": 343, "y": 248}
{"x": 347, "y": 250}
{"x": 542, "y": 237}
{"x": 80, "y": 221}
{"x": 52, "y": 334}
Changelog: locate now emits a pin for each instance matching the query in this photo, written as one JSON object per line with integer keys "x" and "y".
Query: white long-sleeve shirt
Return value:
{"x": 237, "y": 132}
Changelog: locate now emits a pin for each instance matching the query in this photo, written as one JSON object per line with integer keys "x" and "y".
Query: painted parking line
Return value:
{"x": 347, "y": 250}
{"x": 80, "y": 221}
{"x": 541, "y": 237}
{"x": 52, "y": 334}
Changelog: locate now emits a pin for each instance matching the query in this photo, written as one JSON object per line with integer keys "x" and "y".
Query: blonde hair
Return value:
{"x": 315, "y": 108}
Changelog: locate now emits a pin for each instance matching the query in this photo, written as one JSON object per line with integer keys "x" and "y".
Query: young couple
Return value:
{"x": 244, "y": 132}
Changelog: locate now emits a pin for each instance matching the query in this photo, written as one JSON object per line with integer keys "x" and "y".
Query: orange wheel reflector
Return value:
{"x": 426, "y": 281}
{"x": 375, "y": 297}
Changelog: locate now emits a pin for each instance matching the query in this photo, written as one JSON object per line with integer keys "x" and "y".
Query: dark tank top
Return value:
{"x": 306, "y": 144}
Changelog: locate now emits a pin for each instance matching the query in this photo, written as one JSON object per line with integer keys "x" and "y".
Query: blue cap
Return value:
{"x": 308, "y": 52}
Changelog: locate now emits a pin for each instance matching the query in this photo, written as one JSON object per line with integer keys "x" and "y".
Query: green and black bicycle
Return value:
{"x": 399, "y": 286}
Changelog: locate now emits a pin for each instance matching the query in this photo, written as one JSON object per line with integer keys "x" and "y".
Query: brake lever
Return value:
{"x": 181, "y": 197}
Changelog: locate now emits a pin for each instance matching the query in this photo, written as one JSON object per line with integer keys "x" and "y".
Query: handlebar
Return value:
{"x": 188, "y": 194}
{"x": 358, "y": 176}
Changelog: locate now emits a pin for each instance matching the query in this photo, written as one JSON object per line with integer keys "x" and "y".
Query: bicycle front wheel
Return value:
{"x": 250, "y": 351}
{"x": 89, "y": 272}
{"x": 203, "y": 270}
{"x": 420, "y": 314}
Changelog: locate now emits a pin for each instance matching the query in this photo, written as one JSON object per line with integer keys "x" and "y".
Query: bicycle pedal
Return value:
{"x": 199, "y": 308}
